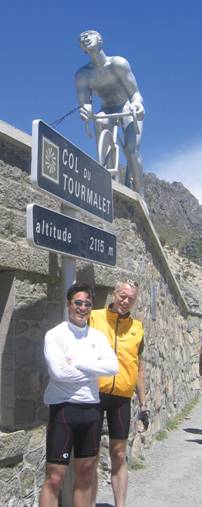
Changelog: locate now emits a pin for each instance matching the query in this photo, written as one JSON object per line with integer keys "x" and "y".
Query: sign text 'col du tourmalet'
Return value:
{"x": 62, "y": 169}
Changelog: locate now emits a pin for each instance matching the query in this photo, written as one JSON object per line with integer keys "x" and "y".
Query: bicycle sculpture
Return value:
{"x": 111, "y": 78}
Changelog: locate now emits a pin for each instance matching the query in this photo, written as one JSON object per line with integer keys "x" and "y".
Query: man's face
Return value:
{"x": 89, "y": 40}
{"x": 79, "y": 308}
{"x": 124, "y": 298}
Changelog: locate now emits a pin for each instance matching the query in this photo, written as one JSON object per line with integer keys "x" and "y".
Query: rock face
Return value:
{"x": 176, "y": 214}
{"x": 189, "y": 276}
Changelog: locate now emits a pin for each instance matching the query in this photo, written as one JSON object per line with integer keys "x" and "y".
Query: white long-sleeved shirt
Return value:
{"x": 90, "y": 355}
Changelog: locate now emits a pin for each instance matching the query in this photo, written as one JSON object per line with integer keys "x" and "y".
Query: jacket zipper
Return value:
{"x": 115, "y": 350}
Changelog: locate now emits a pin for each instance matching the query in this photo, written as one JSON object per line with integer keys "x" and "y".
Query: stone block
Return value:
{"x": 16, "y": 194}
{"x": 21, "y": 327}
{"x": 35, "y": 457}
{"x": 40, "y": 474}
{"x": 136, "y": 449}
{"x": 42, "y": 412}
{"x": 22, "y": 382}
{"x": 27, "y": 482}
{"x": 37, "y": 438}
{"x": 31, "y": 309}
{"x": 19, "y": 256}
{"x": 8, "y": 361}
{"x": 10, "y": 488}
{"x": 24, "y": 413}
{"x": 7, "y": 416}
{"x": 8, "y": 395}
{"x": 15, "y": 155}
{"x": 195, "y": 384}
{"x": 25, "y": 352}
{"x": 31, "y": 286}
{"x": 54, "y": 313}
{"x": 156, "y": 424}
{"x": 5, "y": 222}
{"x": 8, "y": 376}
{"x": 158, "y": 398}
{"x": 13, "y": 444}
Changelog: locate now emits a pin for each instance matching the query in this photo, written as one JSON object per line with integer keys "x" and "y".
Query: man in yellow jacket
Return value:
{"x": 125, "y": 336}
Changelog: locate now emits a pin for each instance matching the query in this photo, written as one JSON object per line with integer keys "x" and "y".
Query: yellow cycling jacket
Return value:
{"x": 125, "y": 336}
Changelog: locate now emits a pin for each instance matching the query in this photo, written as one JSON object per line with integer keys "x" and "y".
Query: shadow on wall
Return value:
{"x": 23, "y": 324}
{"x": 15, "y": 155}
{"x": 29, "y": 306}
{"x": 87, "y": 275}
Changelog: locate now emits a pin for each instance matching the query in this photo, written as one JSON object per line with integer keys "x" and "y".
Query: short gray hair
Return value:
{"x": 127, "y": 281}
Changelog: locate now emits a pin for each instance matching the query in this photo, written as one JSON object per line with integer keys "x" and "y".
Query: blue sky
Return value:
{"x": 162, "y": 41}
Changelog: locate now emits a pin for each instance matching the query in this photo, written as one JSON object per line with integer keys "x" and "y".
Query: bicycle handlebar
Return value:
{"x": 118, "y": 115}
{"x": 111, "y": 115}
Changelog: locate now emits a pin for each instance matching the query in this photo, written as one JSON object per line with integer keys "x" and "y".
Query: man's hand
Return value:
{"x": 138, "y": 109}
{"x": 144, "y": 417}
{"x": 68, "y": 360}
{"x": 86, "y": 112}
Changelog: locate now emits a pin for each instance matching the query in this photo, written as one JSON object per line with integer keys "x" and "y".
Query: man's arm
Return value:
{"x": 106, "y": 364}
{"x": 137, "y": 104}
{"x": 84, "y": 93}
{"x": 125, "y": 74}
{"x": 58, "y": 367}
{"x": 140, "y": 388}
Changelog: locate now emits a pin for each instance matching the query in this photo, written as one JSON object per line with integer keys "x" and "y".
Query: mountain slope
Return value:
{"x": 176, "y": 214}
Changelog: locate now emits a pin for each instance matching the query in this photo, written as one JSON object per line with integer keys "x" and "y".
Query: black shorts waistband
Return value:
{"x": 75, "y": 405}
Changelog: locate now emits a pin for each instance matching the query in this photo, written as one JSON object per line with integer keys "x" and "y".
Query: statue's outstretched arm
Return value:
{"x": 84, "y": 94}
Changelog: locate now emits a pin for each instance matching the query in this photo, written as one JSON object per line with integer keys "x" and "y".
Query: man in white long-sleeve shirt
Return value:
{"x": 75, "y": 355}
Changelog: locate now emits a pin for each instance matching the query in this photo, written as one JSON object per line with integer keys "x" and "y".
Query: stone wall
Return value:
{"x": 33, "y": 306}
{"x": 21, "y": 467}
{"x": 31, "y": 302}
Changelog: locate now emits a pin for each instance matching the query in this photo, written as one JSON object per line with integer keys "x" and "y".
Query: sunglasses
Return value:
{"x": 79, "y": 303}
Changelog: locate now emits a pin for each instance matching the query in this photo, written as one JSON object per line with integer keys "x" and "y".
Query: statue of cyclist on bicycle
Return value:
{"x": 111, "y": 78}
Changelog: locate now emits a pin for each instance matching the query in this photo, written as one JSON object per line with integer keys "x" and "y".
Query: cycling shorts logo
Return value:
{"x": 65, "y": 455}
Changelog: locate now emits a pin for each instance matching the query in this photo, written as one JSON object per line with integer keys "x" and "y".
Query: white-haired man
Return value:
{"x": 125, "y": 336}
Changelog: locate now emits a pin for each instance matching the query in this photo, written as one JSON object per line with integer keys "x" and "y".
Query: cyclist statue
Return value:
{"x": 111, "y": 78}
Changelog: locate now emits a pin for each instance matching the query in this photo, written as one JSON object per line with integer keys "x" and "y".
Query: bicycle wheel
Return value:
{"x": 108, "y": 151}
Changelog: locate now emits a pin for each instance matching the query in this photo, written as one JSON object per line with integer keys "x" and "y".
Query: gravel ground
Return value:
{"x": 172, "y": 476}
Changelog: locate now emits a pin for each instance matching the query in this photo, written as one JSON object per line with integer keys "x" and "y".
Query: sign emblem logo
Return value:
{"x": 50, "y": 160}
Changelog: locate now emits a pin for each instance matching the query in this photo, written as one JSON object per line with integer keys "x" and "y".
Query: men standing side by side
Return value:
{"x": 125, "y": 336}
{"x": 75, "y": 355}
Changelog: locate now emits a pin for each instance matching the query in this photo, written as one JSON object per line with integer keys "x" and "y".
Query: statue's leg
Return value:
{"x": 100, "y": 125}
{"x": 106, "y": 148}
{"x": 134, "y": 173}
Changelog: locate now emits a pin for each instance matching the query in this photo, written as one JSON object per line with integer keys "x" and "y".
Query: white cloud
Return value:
{"x": 184, "y": 166}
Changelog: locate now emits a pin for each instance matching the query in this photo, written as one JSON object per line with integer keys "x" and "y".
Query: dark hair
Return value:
{"x": 76, "y": 287}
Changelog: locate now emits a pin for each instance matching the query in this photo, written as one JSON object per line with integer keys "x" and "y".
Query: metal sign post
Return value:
{"x": 68, "y": 269}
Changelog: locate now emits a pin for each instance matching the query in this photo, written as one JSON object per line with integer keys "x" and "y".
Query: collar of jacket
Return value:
{"x": 125, "y": 316}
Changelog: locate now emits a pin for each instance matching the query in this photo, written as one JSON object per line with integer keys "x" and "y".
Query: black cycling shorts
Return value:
{"x": 72, "y": 425}
{"x": 117, "y": 410}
